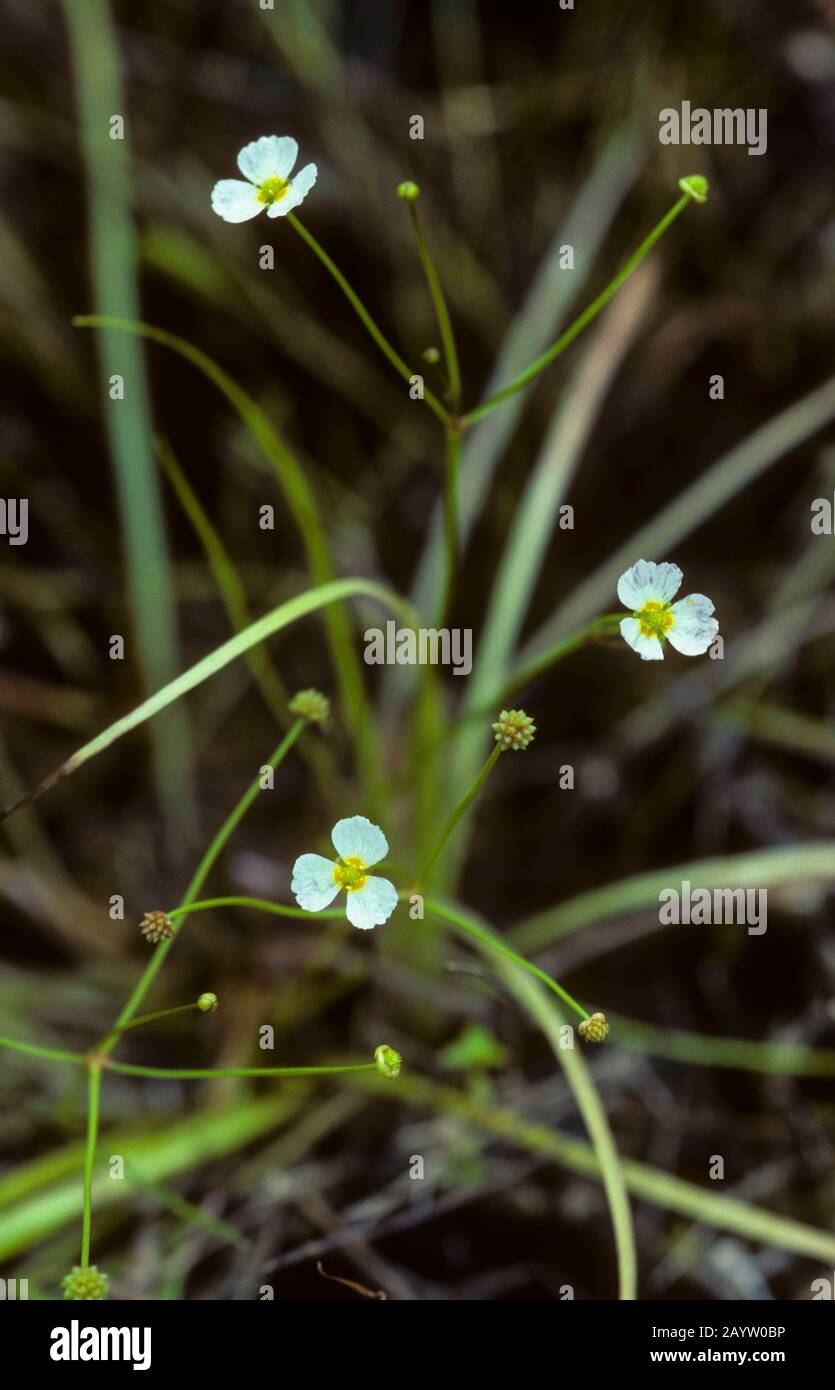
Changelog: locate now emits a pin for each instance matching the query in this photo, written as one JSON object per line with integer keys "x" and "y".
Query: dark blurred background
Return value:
{"x": 540, "y": 129}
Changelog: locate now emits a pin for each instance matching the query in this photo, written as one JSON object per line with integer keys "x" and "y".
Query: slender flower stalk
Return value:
{"x": 460, "y": 810}
{"x": 93, "y": 1093}
{"x": 199, "y": 878}
{"x": 466, "y": 927}
{"x": 410, "y": 192}
{"x": 606, "y": 625}
{"x": 259, "y": 905}
{"x": 155, "y": 1017}
{"x": 207, "y": 1073}
{"x": 50, "y": 1054}
{"x": 451, "y": 472}
{"x": 694, "y": 190}
{"x": 356, "y": 303}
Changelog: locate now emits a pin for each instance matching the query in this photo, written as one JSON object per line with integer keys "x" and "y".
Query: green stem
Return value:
{"x": 486, "y": 938}
{"x": 154, "y": 1018}
{"x": 584, "y": 320}
{"x": 441, "y": 311}
{"x": 605, "y": 626}
{"x": 205, "y": 1073}
{"x": 52, "y": 1054}
{"x": 461, "y": 808}
{"x": 199, "y": 878}
{"x": 259, "y": 905}
{"x": 93, "y": 1092}
{"x": 453, "y": 460}
{"x": 379, "y": 337}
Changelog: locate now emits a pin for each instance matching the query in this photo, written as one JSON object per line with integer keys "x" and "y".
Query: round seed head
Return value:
{"x": 594, "y": 1029}
{"x": 311, "y": 705}
{"x": 156, "y": 926}
{"x": 514, "y": 729}
{"x": 85, "y": 1285}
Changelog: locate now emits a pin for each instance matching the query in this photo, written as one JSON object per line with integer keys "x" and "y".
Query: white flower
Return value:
{"x": 266, "y": 163}
{"x": 316, "y": 880}
{"x": 647, "y": 589}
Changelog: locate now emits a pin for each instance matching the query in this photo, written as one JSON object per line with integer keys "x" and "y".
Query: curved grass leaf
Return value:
{"x": 305, "y": 514}
{"x": 813, "y": 861}
{"x": 113, "y": 266}
{"x": 650, "y": 1184}
{"x": 259, "y": 631}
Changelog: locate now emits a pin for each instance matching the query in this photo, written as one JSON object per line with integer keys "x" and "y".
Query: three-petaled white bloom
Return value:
{"x": 647, "y": 589}
{"x": 360, "y": 845}
{"x": 267, "y": 164}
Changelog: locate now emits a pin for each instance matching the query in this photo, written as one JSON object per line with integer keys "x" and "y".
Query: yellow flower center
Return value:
{"x": 655, "y": 619}
{"x": 350, "y": 874}
{"x": 271, "y": 190}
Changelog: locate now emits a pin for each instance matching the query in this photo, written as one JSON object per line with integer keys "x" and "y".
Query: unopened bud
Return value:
{"x": 388, "y": 1061}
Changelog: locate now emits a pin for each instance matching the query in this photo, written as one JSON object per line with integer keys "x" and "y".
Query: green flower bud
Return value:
{"x": 85, "y": 1285}
{"x": 431, "y": 355}
{"x": 156, "y": 927}
{"x": 207, "y": 1003}
{"x": 695, "y": 186}
{"x": 311, "y": 705}
{"x": 594, "y": 1029}
{"x": 514, "y": 729}
{"x": 388, "y": 1061}
{"x": 408, "y": 190}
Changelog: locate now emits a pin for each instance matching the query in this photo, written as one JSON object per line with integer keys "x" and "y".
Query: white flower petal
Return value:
{"x": 299, "y": 188}
{"x": 648, "y": 648}
{"x": 313, "y": 883}
{"x": 235, "y": 201}
{"x": 273, "y": 156}
{"x": 372, "y": 905}
{"x": 693, "y": 628}
{"x": 356, "y": 837}
{"x": 647, "y": 582}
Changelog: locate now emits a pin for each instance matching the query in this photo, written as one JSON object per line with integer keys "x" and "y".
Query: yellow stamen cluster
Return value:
{"x": 85, "y": 1285}
{"x": 594, "y": 1029}
{"x": 350, "y": 874}
{"x": 655, "y": 619}
{"x": 514, "y": 729}
{"x": 273, "y": 189}
{"x": 156, "y": 927}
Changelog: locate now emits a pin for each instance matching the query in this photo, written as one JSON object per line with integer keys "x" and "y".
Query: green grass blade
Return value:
{"x": 546, "y": 1014}
{"x": 276, "y": 697}
{"x": 535, "y": 520}
{"x": 737, "y": 1054}
{"x": 160, "y": 1154}
{"x": 289, "y": 612}
{"x": 650, "y": 1184}
{"x": 812, "y": 862}
{"x": 545, "y": 309}
{"x": 113, "y": 264}
{"x": 305, "y": 514}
